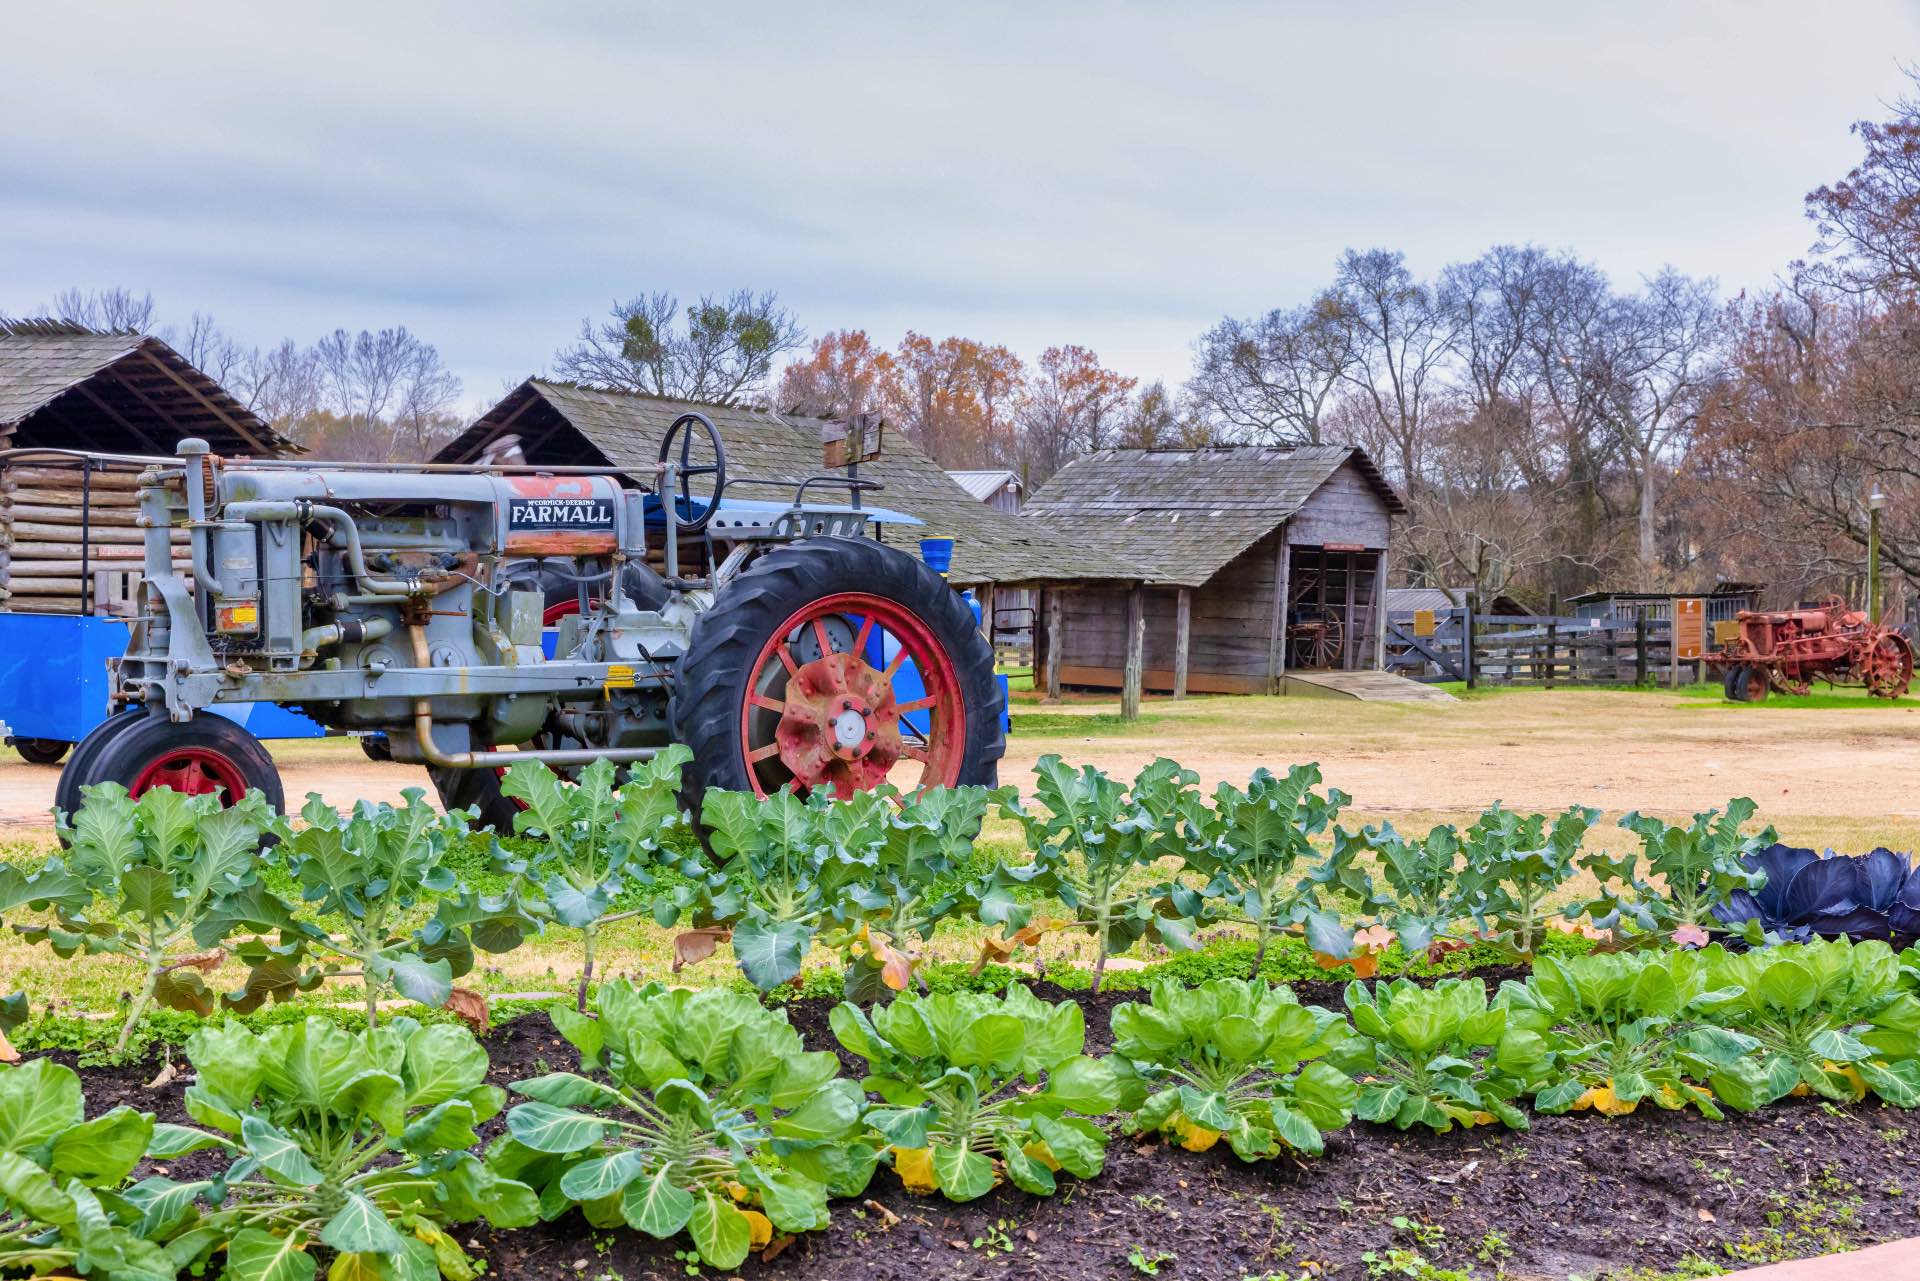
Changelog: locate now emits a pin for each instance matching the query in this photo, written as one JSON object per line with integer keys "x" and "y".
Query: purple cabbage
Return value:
{"x": 1864, "y": 896}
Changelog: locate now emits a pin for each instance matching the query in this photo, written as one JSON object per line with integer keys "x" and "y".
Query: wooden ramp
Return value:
{"x": 1372, "y": 687}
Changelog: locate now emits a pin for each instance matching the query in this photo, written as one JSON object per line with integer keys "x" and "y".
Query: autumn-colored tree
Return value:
{"x": 1072, "y": 404}
{"x": 843, "y": 375}
{"x": 1156, "y": 419}
{"x": 952, "y": 397}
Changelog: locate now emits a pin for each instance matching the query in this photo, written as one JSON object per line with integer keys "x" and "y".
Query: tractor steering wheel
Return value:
{"x": 687, "y": 471}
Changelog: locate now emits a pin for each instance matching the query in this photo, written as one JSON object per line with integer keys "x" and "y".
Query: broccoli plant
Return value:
{"x": 63, "y": 1208}
{"x": 369, "y": 870}
{"x": 698, "y": 1111}
{"x": 1233, "y": 1058}
{"x": 1095, "y": 840}
{"x": 597, "y": 839}
{"x": 1420, "y": 1055}
{"x": 1830, "y": 1018}
{"x": 1517, "y": 864}
{"x": 783, "y": 865}
{"x": 355, "y": 1144}
{"x": 1628, "y": 1028}
{"x": 960, "y": 1075}
{"x": 911, "y": 886}
{"x": 146, "y": 879}
{"x": 1428, "y": 888}
{"x": 1257, "y": 847}
{"x": 1699, "y": 866}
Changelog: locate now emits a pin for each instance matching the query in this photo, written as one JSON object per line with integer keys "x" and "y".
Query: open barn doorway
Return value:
{"x": 1330, "y": 603}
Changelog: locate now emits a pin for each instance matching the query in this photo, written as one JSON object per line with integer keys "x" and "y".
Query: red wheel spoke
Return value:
{"x": 914, "y": 753}
{"x": 770, "y": 704}
{"x": 786, "y": 658}
{"x": 821, "y": 638}
{"x": 759, "y": 754}
{"x": 899, "y": 657}
{"x": 866, "y": 632}
{"x": 917, "y": 705}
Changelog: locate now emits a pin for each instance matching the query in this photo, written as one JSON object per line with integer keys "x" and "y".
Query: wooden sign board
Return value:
{"x": 856, "y": 440}
{"x": 1689, "y": 626}
{"x": 1423, "y": 622}
{"x": 1342, "y": 547}
{"x": 1726, "y": 631}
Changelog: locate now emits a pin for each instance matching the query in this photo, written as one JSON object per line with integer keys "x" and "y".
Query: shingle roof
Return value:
{"x": 623, "y": 430}
{"x": 1187, "y": 512}
{"x": 61, "y": 382}
{"x": 984, "y": 484}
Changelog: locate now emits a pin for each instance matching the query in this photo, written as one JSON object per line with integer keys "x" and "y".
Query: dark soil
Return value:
{"x": 1575, "y": 1196}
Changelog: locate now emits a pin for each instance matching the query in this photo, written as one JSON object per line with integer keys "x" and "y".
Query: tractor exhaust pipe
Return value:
{"x": 423, "y": 730}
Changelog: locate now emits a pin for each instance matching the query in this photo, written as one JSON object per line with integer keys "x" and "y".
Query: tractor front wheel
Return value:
{"x": 1745, "y": 684}
{"x": 40, "y": 751}
{"x": 140, "y": 751}
{"x": 1888, "y": 667}
{"x": 837, "y": 664}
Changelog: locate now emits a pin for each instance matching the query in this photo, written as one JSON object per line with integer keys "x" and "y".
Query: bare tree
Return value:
{"x": 1158, "y": 420}
{"x": 1274, "y": 376}
{"x": 390, "y": 377}
{"x": 722, "y": 350}
{"x": 114, "y": 309}
{"x": 1401, "y": 340}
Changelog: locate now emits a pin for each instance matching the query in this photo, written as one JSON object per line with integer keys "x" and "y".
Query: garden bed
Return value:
{"x": 1579, "y": 1195}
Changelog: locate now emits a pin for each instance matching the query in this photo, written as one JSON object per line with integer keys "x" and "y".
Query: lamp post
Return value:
{"x": 1875, "y": 501}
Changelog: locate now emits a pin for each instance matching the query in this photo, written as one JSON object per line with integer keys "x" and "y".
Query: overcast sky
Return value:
{"x": 489, "y": 173}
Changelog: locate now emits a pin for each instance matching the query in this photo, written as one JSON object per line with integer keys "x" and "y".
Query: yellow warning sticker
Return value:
{"x": 619, "y": 676}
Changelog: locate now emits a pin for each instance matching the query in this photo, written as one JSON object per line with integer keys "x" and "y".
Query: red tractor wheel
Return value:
{"x": 1746, "y": 684}
{"x": 140, "y": 751}
{"x": 790, "y": 679}
{"x": 1886, "y": 666}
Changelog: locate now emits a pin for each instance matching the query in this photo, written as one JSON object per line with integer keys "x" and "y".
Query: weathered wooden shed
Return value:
{"x": 1256, "y": 560}
{"x": 66, "y": 528}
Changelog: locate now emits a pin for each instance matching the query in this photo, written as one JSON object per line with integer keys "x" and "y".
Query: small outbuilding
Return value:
{"x": 1255, "y": 561}
{"x": 998, "y": 488}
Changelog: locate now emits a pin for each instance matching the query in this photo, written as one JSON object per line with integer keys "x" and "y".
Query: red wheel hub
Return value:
{"x": 193, "y": 771}
{"x": 820, "y": 716}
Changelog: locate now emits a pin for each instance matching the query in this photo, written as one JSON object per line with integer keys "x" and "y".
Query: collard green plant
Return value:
{"x": 368, "y": 870}
{"x": 598, "y": 837}
{"x": 146, "y": 880}
{"x": 1236, "y": 1059}
{"x": 1627, "y": 1028}
{"x": 697, "y": 1111}
{"x": 1095, "y": 839}
{"x": 61, "y": 1181}
{"x": 1699, "y": 866}
{"x": 1519, "y": 864}
{"x": 1428, "y": 884}
{"x": 354, "y": 1144}
{"x": 962, "y": 1075}
{"x": 911, "y": 886}
{"x": 1256, "y": 846}
{"x": 1438, "y": 1056}
{"x": 1804, "y": 896}
{"x": 1831, "y": 1018}
{"x": 781, "y": 867}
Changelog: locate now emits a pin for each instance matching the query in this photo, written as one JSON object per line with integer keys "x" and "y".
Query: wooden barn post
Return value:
{"x": 1136, "y": 653}
{"x": 1277, "y": 635}
{"x": 1182, "y": 639}
{"x": 986, "y": 612}
{"x": 1380, "y": 613}
{"x": 1053, "y": 644}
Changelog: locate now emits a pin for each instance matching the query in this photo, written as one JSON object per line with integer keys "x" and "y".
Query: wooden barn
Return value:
{"x": 68, "y": 543}
{"x": 1256, "y": 561}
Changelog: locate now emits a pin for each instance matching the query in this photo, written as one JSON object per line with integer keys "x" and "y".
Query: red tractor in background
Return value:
{"x": 1787, "y": 650}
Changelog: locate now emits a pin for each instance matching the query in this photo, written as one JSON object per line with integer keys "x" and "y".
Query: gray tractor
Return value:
{"x": 477, "y": 616}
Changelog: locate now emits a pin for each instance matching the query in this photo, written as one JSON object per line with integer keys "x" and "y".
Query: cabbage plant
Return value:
{"x": 1438, "y": 1056}
{"x": 1699, "y": 867}
{"x": 1094, "y": 839}
{"x": 598, "y": 835}
{"x": 1257, "y": 847}
{"x": 1428, "y": 884}
{"x": 355, "y": 1145}
{"x": 962, "y": 1078}
{"x": 1628, "y": 1028}
{"x": 694, "y": 1111}
{"x": 1831, "y": 1018}
{"x": 1518, "y": 863}
{"x": 159, "y": 881}
{"x": 1233, "y": 1058}
{"x": 63, "y": 1208}
{"x": 1803, "y": 896}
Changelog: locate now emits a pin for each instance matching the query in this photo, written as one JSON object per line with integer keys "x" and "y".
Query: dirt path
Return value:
{"x": 1654, "y": 751}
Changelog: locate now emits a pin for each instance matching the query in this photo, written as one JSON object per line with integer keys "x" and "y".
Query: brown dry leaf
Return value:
{"x": 697, "y": 945}
{"x": 896, "y": 967}
{"x": 777, "y": 1247}
{"x": 164, "y": 1077}
{"x": 1705, "y": 1215}
{"x": 887, "y": 1216}
{"x": 469, "y": 1007}
{"x": 205, "y": 962}
{"x": 7, "y": 1053}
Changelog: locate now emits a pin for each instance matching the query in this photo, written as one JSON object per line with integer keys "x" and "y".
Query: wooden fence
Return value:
{"x": 1507, "y": 649}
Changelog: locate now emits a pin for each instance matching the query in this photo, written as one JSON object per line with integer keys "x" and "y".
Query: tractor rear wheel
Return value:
{"x": 40, "y": 751}
{"x": 206, "y": 754}
{"x": 793, "y": 679}
{"x": 1888, "y": 667}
